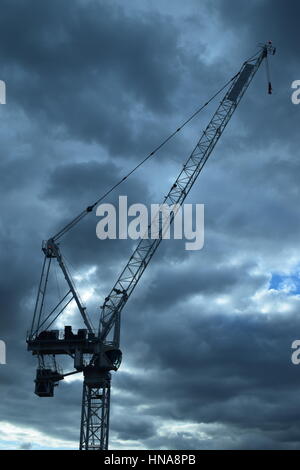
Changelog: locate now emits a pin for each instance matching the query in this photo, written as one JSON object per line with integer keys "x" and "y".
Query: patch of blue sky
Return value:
{"x": 288, "y": 283}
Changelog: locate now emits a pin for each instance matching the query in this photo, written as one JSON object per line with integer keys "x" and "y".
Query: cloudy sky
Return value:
{"x": 92, "y": 87}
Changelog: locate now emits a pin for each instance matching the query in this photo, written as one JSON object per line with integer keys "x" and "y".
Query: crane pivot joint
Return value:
{"x": 50, "y": 248}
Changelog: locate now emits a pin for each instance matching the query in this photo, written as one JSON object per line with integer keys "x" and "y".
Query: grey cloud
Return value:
{"x": 91, "y": 87}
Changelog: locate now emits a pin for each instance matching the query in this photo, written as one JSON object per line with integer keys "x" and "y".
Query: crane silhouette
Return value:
{"x": 97, "y": 352}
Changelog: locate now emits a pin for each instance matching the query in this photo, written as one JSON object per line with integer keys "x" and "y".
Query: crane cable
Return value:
{"x": 90, "y": 208}
{"x": 270, "y": 89}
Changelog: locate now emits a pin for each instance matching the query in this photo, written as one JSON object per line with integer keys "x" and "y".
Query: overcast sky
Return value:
{"x": 92, "y": 87}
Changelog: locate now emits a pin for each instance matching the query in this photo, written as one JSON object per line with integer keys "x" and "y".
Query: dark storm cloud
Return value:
{"x": 133, "y": 429}
{"x": 47, "y": 81}
{"x": 233, "y": 370}
{"x": 89, "y": 82}
{"x": 202, "y": 281}
{"x": 82, "y": 72}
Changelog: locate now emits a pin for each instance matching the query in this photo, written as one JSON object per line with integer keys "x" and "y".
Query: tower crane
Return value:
{"x": 97, "y": 352}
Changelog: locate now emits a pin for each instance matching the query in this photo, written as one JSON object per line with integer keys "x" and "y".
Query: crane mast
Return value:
{"x": 96, "y": 354}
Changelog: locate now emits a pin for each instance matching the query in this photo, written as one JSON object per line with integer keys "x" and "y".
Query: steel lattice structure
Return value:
{"x": 97, "y": 353}
{"x": 95, "y": 416}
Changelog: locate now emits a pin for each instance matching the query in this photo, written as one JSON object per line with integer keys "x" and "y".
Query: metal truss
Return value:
{"x": 94, "y": 429}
